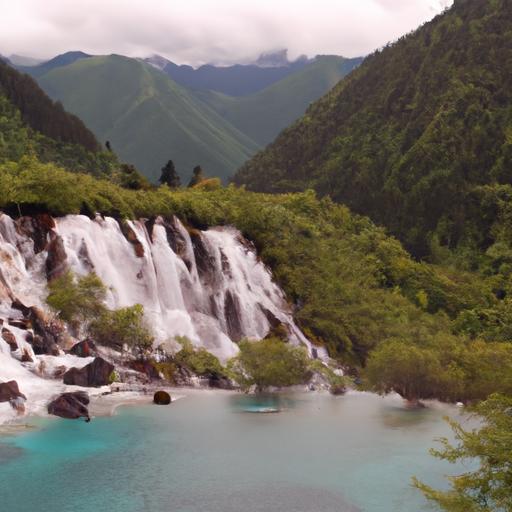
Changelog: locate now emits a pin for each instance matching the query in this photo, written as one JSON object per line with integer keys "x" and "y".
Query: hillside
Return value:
{"x": 147, "y": 117}
{"x": 31, "y": 121}
{"x": 410, "y": 136}
{"x": 263, "y": 115}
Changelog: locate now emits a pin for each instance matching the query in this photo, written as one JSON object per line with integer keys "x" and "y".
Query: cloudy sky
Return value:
{"x": 198, "y": 31}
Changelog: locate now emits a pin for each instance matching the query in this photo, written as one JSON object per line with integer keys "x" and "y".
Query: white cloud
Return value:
{"x": 197, "y": 31}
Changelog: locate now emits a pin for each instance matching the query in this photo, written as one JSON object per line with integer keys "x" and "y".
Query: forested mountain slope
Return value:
{"x": 410, "y": 136}
{"x": 31, "y": 122}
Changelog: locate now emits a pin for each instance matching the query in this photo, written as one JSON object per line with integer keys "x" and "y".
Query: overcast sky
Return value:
{"x": 199, "y": 31}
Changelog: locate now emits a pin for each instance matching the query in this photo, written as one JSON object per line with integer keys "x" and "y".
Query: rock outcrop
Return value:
{"x": 95, "y": 374}
{"x": 70, "y": 405}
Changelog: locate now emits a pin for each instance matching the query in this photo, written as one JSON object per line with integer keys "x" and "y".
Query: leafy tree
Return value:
{"x": 122, "y": 326}
{"x": 169, "y": 176}
{"x": 270, "y": 362}
{"x": 197, "y": 176}
{"x": 77, "y": 299}
{"x": 488, "y": 488}
{"x": 413, "y": 372}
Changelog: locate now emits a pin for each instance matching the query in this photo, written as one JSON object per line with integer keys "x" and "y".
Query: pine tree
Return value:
{"x": 197, "y": 176}
{"x": 169, "y": 176}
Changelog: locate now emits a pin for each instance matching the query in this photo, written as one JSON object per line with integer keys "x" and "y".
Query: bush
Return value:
{"x": 77, "y": 299}
{"x": 269, "y": 362}
{"x": 199, "y": 360}
{"x": 120, "y": 327}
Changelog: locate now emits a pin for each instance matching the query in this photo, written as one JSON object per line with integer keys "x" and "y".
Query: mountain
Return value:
{"x": 23, "y": 60}
{"x": 236, "y": 80}
{"x": 147, "y": 117}
{"x": 410, "y": 136}
{"x": 263, "y": 115}
{"x": 60, "y": 60}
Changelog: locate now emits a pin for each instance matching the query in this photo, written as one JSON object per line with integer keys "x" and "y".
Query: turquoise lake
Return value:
{"x": 210, "y": 452}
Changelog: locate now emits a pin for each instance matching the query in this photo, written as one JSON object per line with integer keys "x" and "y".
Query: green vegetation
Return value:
{"x": 269, "y": 362}
{"x": 147, "y": 117}
{"x": 442, "y": 367}
{"x": 418, "y": 137}
{"x": 198, "y": 360}
{"x": 488, "y": 488}
{"x": 125, "y": 326}
{"x": 262, "y": 115}
{"x": 77, "y": 299}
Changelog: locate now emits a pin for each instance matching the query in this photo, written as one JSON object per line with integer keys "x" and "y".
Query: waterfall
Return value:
{"x": 209, "y": 285}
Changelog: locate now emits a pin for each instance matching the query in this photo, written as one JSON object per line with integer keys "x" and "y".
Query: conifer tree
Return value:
{"x": 169, "y": 176}
{"x": 197, "y": 176}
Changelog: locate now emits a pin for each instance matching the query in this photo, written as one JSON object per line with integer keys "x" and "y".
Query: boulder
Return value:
{"x": 162, "y": 398}
{"x": 70, "y": 405}
{"x": 85, "y": 348}
{"x": 10, "y": 391}
{"x": 10, "y": 339}
{"x": 95, "y": 374}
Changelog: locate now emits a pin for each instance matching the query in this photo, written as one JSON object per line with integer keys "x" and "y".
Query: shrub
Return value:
{"x": 199, "y": 360}
{"x": 77, "y": 299}
{"x": 122, "y": 326}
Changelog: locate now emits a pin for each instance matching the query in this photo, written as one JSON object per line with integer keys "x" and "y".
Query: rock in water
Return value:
{"x": 95, "y": 374}
{"x": 10, "y": 391}
{"x": 162, "y": 398}
{"x": 70, "y": 405}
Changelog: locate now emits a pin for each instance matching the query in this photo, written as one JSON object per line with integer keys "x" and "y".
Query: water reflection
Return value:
{"x": 262, "y": 403}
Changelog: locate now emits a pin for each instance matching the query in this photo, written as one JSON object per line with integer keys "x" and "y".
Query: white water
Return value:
{"x": 214, "y": 291}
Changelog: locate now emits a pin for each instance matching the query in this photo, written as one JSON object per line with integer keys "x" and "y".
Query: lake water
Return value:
{"x": 210, "y": 452}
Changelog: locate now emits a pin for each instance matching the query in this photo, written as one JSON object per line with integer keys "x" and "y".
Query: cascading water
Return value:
{"x": 206, "y": 285}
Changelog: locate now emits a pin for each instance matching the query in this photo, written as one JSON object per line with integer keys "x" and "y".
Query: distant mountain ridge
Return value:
{"x": 234, "y": 80}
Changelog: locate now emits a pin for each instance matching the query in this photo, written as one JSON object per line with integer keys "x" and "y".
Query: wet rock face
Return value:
{"x": 56, "y": 259}
{"x": 131, "y": 236}
{"x": 232, "y": 315}
{"x": 10, "y": 391}
{"x": 95, "y": 374}
{"x": 10, "y": 339}
{"x": 205, "y": 261}
{"x": 70, "y": 405}
{"x": 37, "y": 228}
{"x": 162, "y": 398}
{"x": 85, "y": 348}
